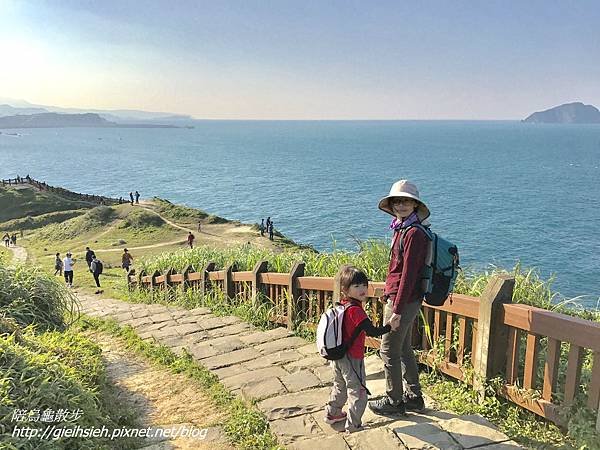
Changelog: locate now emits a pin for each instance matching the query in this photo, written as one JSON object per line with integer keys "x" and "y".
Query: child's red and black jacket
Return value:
{"x": 356, "y": 317}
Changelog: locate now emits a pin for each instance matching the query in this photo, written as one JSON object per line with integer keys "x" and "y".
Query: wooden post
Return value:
{"x": 167, "y": 283}
{"x": 131, "y": 273}
{"x": 204, "y": 281}
{"x": 140, "y": 275}
{"x": 153, "y": 283}
{"x": 228, "y": 285}
{"x": 489, "y": 358}
{"x": 293, "y": 293}
{"x": 260, "y": 267}
{"x": 186, "y": 282}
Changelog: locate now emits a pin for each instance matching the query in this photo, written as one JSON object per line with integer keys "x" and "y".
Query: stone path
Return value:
{"x": 19, "y": 253}
{"x": 291, "y": 382}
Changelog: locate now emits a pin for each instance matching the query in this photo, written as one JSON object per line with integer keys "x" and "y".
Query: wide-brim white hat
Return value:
{"x": 404, "y": 188}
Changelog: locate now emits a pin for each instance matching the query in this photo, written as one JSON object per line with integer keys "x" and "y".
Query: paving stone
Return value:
{"x": 306, "y": 363}
{"x": 230, "y": 371}
{"x": 287, "y": 343}
{"x": 122, "y": 317}
{"x": 261, "y": 337}
{"x": 227, "y": 344}
{"x": 394, "y": 421}
{"x": 296, "y": 428}
{"x": 237, "y": 381}
{"x": 473, "y": 431}
{"x": 373, "y": 439}
{"x": 230, "y": 320}
{"x": 210, "y": 323}
{"x": 187, "y": 328}
{"x": 163, "y": 333}
{"x": 261, "y": 389}
{"x": 426, "y": 436}
{"x": 324, "y": 373}
{"x": 162, "y": 317}
{"x": 329, "y": 443}
{"x": 230, "y": 330}
{"x": 508, "y": 445}
{"x": 174, "y": 341}
{"x": 308, "y": 350}
{"x": 198, "y": 336}
{"x": 299, "y": 381}
{"x": 202, "y": 352}
{"x": 373, "y": 366}
{"x": 201, "y": 310}
{"x": 152, "y": 326}
{"x": 273, "y": 359}
{"x": 138, "y": 322}
{"x": 193, "y": 318}
{"x": 228, "y": 359}
{"x": 295, "y": 404}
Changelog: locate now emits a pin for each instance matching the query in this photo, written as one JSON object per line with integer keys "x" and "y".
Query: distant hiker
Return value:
{"x": 199, "y": 227}
{"x": 349, "y": 376}
{"x": 13, "y": 239}
{"x": 58, "y": 265}
{"x": 271, "y": 230}
{"x": 89, "y": 256}
{"x": 6, "y": 239}
{"x": 126, "y": 260}
{"x": 190, "y": 240}
{"x": 137, "y": 197}
{"x": 262, "y": 227}
{"x": 131, "y": 197}
{"x": 96, "y": 268}
{"x": 21, "y": 232}
{"x": 68, "y": 264}
{"x": 120, "y": 200}
{"x": 268, "y": 223}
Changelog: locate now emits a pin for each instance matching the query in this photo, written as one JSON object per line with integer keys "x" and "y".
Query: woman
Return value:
{"x": 403, "y": 295}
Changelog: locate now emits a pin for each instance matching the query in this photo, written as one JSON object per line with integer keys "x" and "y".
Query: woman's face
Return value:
{"x": 402, "y": 206}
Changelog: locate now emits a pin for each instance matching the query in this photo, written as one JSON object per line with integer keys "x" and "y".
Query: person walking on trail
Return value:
{"x": 199, "y": 227}
{"x": 271, "y": 230}
{"x": 89, "y": 256}
{"x": 13, "y": 239}
{"x": 349, "y": 376}
{"x": 262, "y": 227}
{"x": 126, "y": 260}
{"x": 137, "y": 197}
{"x": 190, "y": 239}
{"x": 68, "y": 264}
{"x": 403, "y": 295}
{"x": 58, "y": 265}
{"x": 96, "y": 268}
{"x": 268, "y": 224}
{"x": 131, "y": 198}
{"x": 6, "y": 239}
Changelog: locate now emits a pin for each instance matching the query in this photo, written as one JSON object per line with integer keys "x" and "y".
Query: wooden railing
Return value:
{"x": 546, "y": 359}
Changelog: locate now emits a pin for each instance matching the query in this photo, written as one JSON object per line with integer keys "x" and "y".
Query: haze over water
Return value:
{"x": 503, "y": 191}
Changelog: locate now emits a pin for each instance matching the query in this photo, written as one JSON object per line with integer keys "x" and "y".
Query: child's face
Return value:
{"x": 358, "y": 291}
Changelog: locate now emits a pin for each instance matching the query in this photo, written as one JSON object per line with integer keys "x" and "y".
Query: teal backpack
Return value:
{"x": 441, "y": 266}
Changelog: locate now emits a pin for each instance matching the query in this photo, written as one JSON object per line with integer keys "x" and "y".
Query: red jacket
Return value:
{"x": 404, "y": 283}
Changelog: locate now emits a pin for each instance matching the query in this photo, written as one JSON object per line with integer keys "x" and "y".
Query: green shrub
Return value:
{"x": 141, "y": 219}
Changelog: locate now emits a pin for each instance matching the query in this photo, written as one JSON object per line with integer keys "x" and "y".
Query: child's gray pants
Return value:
{"x": 347, "y": 387}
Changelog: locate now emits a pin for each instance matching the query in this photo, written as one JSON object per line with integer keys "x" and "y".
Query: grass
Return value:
{"x": 26, "y": 201}
{"x": 245, "y": 426}
{"x": 45, "y": 367}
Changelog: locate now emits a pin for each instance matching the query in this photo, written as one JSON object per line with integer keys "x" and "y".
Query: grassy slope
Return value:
{"x": 25, "y": 201}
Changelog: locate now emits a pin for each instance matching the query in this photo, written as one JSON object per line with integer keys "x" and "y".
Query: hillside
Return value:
{"x": 56, "y": 120}
{"x": 568, "y": 113}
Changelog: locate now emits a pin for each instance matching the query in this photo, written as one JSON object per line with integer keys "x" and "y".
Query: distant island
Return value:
{"x": 56, "y": 120}
{"x": 568, "y": 113}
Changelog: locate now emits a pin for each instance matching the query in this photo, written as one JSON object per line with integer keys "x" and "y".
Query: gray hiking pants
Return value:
{"x": 399, "y": 363}
{"x": 347, "y": 387}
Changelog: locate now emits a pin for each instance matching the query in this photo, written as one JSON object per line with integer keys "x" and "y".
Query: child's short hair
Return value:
{"x": 352, "y": 275}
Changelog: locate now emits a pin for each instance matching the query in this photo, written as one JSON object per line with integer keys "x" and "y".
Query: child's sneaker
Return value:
{"x": 335, "y": 419}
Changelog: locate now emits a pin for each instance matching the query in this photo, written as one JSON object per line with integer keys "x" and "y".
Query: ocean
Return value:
{"x": 503, "y": 191}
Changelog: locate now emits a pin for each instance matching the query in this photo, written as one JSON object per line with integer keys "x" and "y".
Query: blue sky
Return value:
{"x": 303, "y": 59}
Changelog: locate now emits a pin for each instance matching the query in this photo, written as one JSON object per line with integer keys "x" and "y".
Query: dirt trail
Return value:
{"x": 19, "y": 253}
{"x": 162, "y": 399}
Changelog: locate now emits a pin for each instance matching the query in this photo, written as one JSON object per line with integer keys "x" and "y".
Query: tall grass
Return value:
{"x": 30, "y": 296}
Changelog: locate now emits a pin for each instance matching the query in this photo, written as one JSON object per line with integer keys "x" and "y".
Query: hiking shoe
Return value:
{"x": 414, "y": 403}
{"x": 335, "y": 419}
{"x": 384, "y": 407}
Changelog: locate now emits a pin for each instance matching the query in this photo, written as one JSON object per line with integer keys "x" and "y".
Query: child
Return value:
{"x": 349, "y": 375}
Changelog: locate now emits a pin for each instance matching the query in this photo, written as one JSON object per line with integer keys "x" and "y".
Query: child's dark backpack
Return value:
{"x": 441, "y": 267}
{"x": 99, "y": 267}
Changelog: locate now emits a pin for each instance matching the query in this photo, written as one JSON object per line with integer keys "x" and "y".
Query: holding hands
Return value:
{"x": 395, "y": 321}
